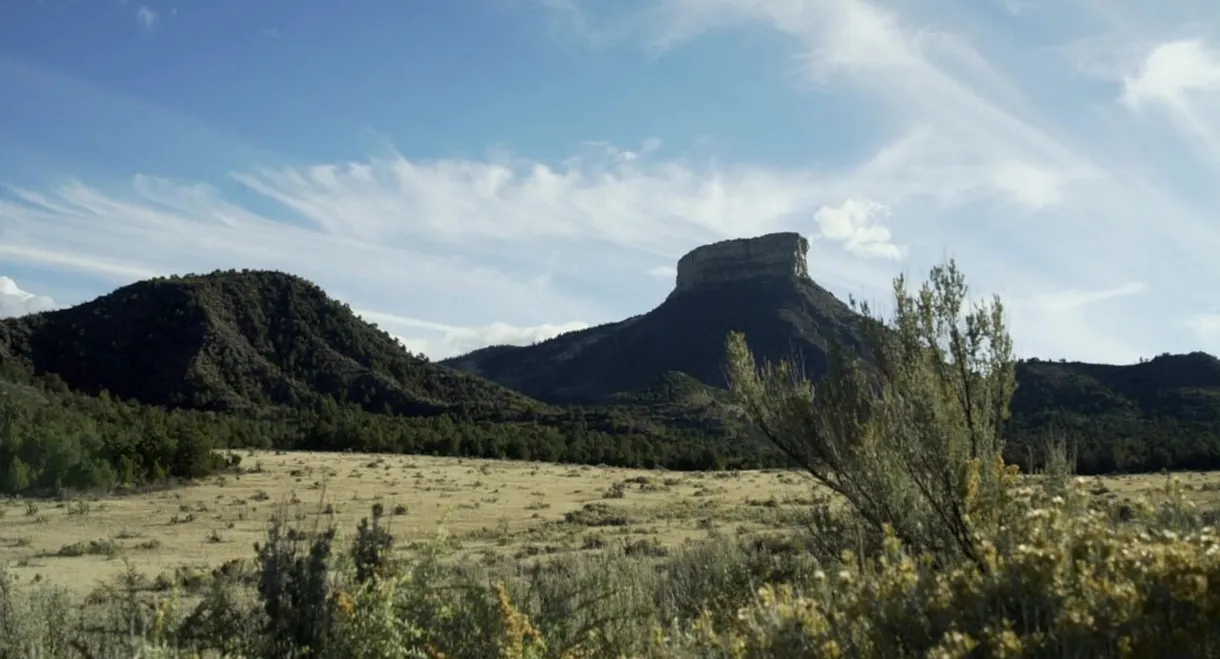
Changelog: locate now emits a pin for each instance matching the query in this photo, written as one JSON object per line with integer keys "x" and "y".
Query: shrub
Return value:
{"x": 1062, "y": 580}
{"x": 909, "y": 435}
{"x": 371, "y": 547}
{"x": 295, "y": 590}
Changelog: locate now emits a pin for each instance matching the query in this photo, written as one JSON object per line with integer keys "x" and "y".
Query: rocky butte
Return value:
{"x": 775, "y": 255}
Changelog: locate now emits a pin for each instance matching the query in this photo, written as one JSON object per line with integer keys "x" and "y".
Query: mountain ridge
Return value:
{"x": 647, "y": 390}
{"x": 678, "y": 335}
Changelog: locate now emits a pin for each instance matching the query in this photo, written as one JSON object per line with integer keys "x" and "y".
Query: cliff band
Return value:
{"x": 772, "y": 255}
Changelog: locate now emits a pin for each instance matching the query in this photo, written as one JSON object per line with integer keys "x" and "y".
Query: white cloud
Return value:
{"x": 1171, "y": 73}
{"x": 146, "y": 17}
{"x": 1206, "y": 327}
{"x": 1073, "y": 300}
{"x": 1027, "y": 184}
{"x": 464, "y": 339}
{"x": 16, "y": 302}
{"x": 1182, "y": 79}
{"x": 663, "y": 272}
{"x": 1056, "y": 324}
{"x": 411, "y": 237}
{"x": 610, "y": 194}
{"x": 449, "y": 341}
{"x": 855, "y": 224}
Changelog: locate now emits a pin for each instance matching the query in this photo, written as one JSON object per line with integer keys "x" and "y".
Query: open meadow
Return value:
{"x": 492, "y": 511}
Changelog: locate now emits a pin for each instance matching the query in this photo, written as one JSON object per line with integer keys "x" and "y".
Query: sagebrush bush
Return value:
{"x": 1065, "y": 578}
{"x": 1061, "y": 581}
{"x": 904, "y": 427}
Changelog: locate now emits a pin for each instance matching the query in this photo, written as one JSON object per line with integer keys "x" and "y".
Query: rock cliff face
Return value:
{"x": 772, "y": 255}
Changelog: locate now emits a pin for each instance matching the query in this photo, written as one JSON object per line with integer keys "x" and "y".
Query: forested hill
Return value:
{"x": 1162, "y": 413}
{"x": 232, "y": 340}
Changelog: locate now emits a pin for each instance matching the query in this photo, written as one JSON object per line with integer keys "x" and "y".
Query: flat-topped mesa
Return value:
{"x": 770, "y": 256}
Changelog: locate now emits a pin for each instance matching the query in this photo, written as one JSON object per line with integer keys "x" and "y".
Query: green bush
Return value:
{"x": 907, "y": 435}
{"x": 1062, "y": 581}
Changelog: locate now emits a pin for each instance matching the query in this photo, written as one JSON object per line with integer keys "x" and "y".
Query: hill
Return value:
{"x": 1164, "y": 413}
{"x": 232, "y": 340}
{"x": 757, "y": 286}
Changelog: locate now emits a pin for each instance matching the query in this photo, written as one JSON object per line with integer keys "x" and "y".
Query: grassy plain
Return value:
{"x": 492, "y": 511}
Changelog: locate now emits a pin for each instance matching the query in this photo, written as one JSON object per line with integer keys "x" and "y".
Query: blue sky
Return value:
{"x": 497, "y": 171}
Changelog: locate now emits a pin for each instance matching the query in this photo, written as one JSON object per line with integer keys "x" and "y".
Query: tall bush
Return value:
{"x": 909, "y": 433}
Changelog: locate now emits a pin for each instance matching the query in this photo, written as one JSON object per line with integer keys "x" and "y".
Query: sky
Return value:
{"x": 501, "y": 171}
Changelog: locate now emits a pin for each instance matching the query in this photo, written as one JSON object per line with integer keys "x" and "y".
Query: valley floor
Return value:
{"x": 492, "y": 511}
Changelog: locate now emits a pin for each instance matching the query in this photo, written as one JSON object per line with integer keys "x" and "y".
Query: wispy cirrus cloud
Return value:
{"x": 1033, "y": 151}
{"x": 430, "y": 338}
{"x": 428, "y": 235}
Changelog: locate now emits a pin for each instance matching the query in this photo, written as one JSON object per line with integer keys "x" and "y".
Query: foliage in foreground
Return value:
{"x": 1071, "y": 577}
{"x": 908, "y": 438}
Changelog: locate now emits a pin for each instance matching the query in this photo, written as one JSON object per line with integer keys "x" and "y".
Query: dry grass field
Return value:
{"x": 491, "y": 511}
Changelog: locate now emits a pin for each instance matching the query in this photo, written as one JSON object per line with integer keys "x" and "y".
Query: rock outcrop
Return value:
{"x": 772, "y": 255}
